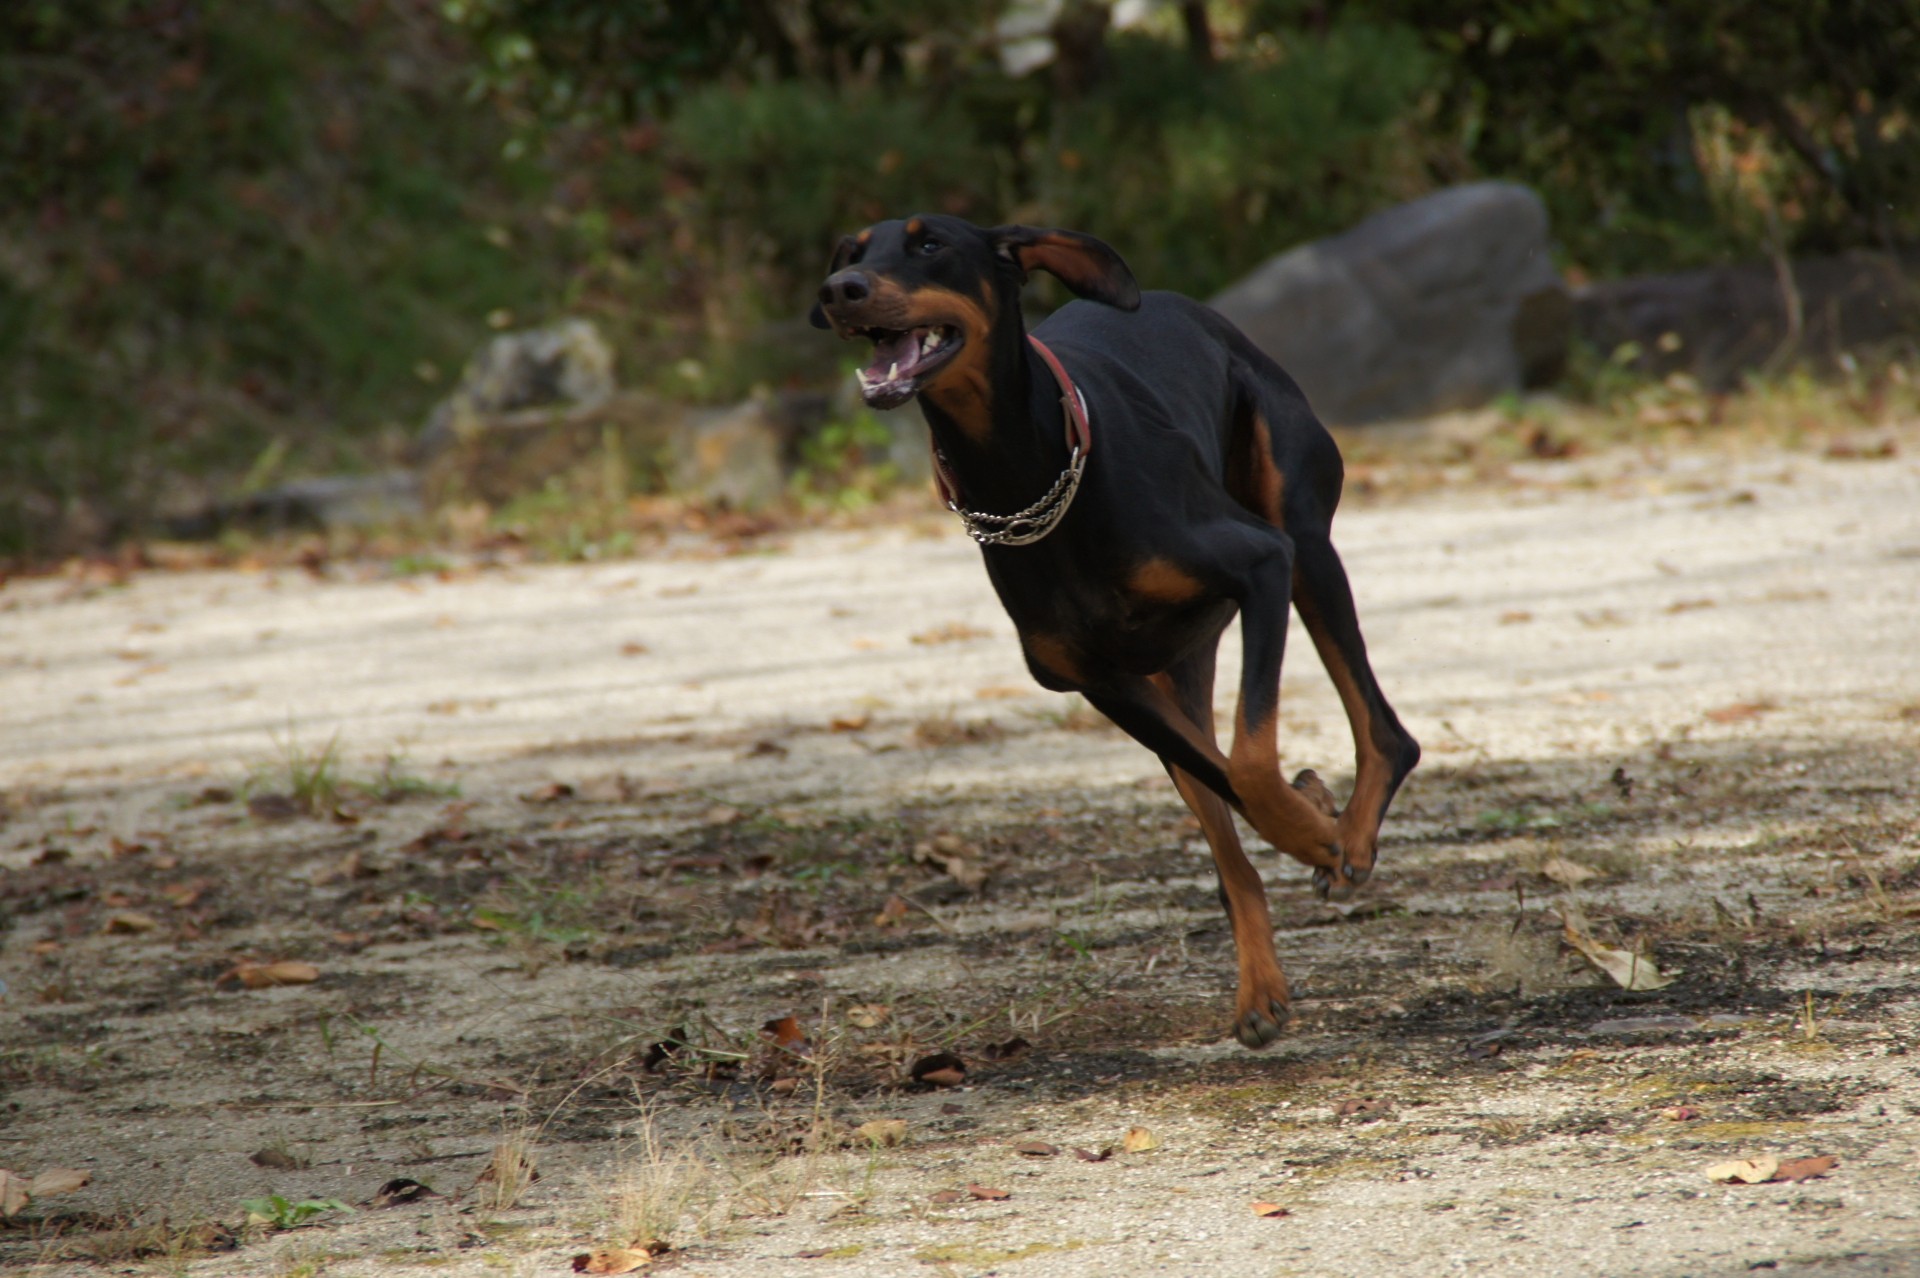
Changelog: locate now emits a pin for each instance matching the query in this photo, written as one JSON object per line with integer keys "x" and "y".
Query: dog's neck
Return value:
{"x": 1003, "y": 439}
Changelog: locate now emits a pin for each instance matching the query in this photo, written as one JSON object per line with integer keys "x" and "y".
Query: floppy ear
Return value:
{"x": 842, "y": 255}
{"x": 1084, "y": 264}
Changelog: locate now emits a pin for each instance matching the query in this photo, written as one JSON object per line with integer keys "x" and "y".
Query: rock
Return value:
{"x": 731, "y": 455}
{"x": 564, "y": 363}
{"x": 330, "y": 501}
{"x": 1440, "y": 304}
{"x": 1719, "y": 323}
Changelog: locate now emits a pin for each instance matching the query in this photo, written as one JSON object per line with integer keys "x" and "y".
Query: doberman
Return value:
{"x": 1211, "y": 491}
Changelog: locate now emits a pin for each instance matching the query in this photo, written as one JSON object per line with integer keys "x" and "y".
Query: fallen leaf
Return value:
{"x": 614, "y": 1260}
{"x": 129, "y": 923}
{"x": 1516, "y": 617}
{"x": 1362, "y": 1105}
{"x": 1088, "y": 1156}
{"x": 894, "y": 911}
{"x": 261, "y": 976}
{"x": 15, "y": 1192}
{"x": 551, "y": 792}
{"x": 1739, "y": 711}
{"x": 272, "y": 806}
{"x": 951, "y": 1108}
{"x": 784, "y": 1086}
{"x": 1139, "y": 1140}
{"x": 64, "y": 1180}
{"x": 1567, "y": 873}
{"x": 785, "y": 1032}
{"x": 1680, "y": 1113}
{"x": 883, "y": 1132}
{"x": 1793, "y": 1170}
{"x": 400, "y": 1191}
{"x": 1270, "y": 1211}
{"x": 849, "y": 722}
{"x": 987, "y": 1193}
{"x": 948, "y": 1196}
{"x": 1748, "y": 1171}
{"x": 942, "y": 1069}
{"x": 951, "y": 632}
{"x": 1628, "y": 970}
{"x": 1036, "y": 1149}
{"x": 634, "y": 648}
{"x": 959, "y": 860}
{"x": 1012, "y": 1049}
{"x": 868, "y": 1015}
{"x": 721, "y": 814}
{"x": 275, "y": 1160}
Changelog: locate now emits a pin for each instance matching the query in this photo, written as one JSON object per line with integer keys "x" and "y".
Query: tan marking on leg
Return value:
{"x": 1163, "y": 581}
{"x": 1262, "y": 983}
{"x": 1252, "y": 478}
{"x": 1373, "y": 771}
{"x": 1284, "y": 816}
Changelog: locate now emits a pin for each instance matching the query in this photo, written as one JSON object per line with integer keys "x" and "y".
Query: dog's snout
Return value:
{"x": 845, "y": 286}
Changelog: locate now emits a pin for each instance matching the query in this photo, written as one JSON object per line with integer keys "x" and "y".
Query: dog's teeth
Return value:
{"x": 932, "y": 342}
{"x": 893, "y": 371}
{"x": 861, "y": 374}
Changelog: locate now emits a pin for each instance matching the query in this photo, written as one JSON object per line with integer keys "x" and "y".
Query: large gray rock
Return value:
{"x": 1439, "y": 304}
{"x": 1724, "y": 321}
{"x": 568, "y": 362}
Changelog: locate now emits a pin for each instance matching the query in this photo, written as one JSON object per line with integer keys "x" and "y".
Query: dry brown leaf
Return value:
{"x": 1793, "y": 1170}
{"x": 398, "y": 1192}
{"x": 129, "y": 922}
{"x": 1139, "y": 1140}
{"x": 987, "y": 1193}
{"x": 1362, "y": 1105}
{"x": 262, "y": 976}
{"x": 951, "y": 632}
{"x": 64, "y": 1180}
{"x": 942, "y": 1069}
{"x": 1012, "y": 1049}
{"x": 1748, "y": 1171}
{"x": 958, "y": 859}
{"x": 1567, "y": 873}
{"x": 1628, "y": 970}
{"x": 613, "y": 1260}
{"x": 894, "y": 911}
{"x": 1738, "y": 711}
{"x": 1270, "y": 1211}
{"x": 1680, "y": 1113}
{"x": 275, "y": 1160}
{"x": 883, "y": 1132}
{"x": 850, "y": 722}
{"x": 948, "y": 1196}
{"x": 551, "y": 792}
{"x": 868, "y": 1015}
{"x": 785, "y": 1032}
{"x": 1088, "y": 1156}
{"x": 1036, "y": 1149}
{"x": 15, "y": 1192}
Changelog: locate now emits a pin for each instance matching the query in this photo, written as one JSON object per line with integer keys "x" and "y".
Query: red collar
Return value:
{"x": 1072, "y": 404}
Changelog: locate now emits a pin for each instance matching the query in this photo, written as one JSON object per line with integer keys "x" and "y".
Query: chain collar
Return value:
{"x": 1039, "y": 519}
{"x": 1031, "y": 524}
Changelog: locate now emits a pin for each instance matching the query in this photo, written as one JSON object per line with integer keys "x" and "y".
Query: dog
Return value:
{"x": 1137, "y": 473}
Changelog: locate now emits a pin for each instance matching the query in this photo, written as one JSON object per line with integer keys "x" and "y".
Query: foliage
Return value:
{"x": 1812, "y": 105}
{"x": 235, "y": 231}
{"x": 277, "y": 1212}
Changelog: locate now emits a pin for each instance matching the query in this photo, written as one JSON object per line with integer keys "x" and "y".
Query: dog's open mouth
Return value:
{"x": 902, "y": 361}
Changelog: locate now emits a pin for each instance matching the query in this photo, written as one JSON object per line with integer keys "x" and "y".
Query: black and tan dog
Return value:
{"x": 1204, "y": 487}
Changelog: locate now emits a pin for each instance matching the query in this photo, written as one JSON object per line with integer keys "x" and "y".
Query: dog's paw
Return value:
{"x": 1308, "y": 783}
{"x": 1260, "y": 1025}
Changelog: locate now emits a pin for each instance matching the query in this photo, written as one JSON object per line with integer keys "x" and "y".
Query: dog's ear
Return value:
{"x": 842, "y": 257}
{"x": 1086, "y": 265}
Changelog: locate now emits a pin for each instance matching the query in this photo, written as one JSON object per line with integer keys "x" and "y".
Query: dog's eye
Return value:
{"x": 930, "y": 246}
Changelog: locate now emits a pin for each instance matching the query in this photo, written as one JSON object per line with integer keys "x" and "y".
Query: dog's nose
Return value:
{"x": 845, "y": 286}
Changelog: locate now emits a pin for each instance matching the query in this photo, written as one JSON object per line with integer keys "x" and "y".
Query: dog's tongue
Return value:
{"x": 903, "y": 351}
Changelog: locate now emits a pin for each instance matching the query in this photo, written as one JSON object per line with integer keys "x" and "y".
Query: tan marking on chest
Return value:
{"x": 1052, "y": 654}
{"x": 1162, "y": 581}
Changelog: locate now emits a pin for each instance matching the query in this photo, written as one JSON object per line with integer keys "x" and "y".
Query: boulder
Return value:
{"x": 1440, "y": 304}
{"x": 1721, "y": 322}
{"x": 731, "y": 455}
{"x": 564, "y": 363}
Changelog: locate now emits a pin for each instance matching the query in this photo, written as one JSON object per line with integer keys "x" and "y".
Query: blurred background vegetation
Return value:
{"x": 242, "y": 239}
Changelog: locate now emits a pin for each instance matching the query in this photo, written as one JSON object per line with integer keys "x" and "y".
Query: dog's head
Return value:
{"x": 929, "y": 290}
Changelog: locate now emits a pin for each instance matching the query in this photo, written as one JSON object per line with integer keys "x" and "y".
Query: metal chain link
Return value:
{"x": 1031, "y": 524}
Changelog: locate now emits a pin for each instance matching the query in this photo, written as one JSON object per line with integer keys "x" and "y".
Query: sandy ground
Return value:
{"x": 585, "y": 809}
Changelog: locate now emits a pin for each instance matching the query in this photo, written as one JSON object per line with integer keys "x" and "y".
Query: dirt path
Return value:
{"x": 578, "y": 811}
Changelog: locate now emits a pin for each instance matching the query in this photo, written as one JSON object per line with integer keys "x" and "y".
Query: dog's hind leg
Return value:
{"x": 1384, "y": 751}
{"x": 1263, "y": 1004}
